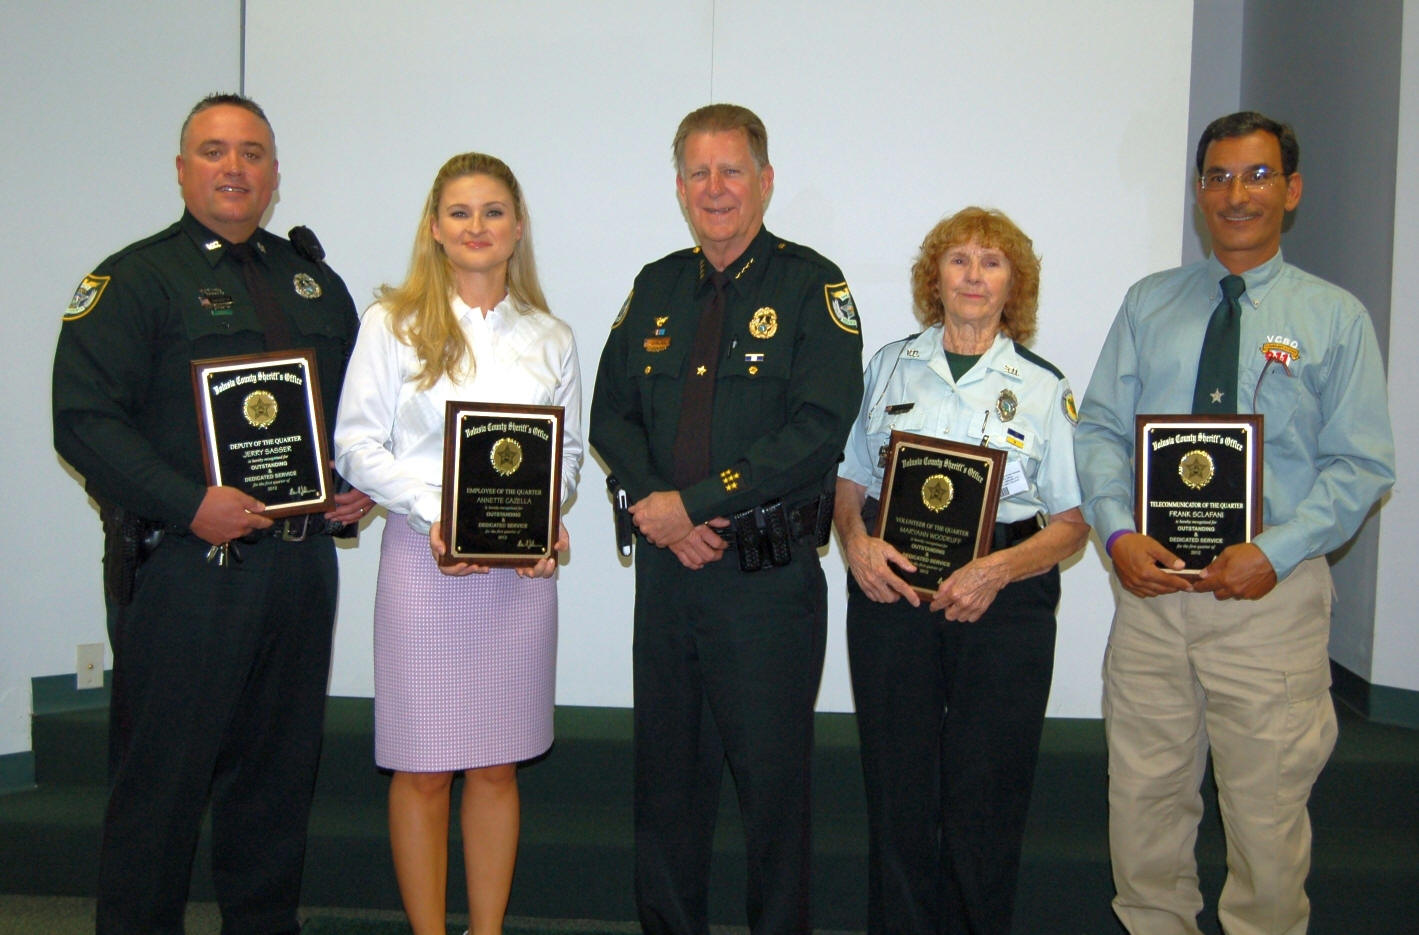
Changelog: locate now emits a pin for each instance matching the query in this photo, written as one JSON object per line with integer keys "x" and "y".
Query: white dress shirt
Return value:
{"x": 389, "y": 434}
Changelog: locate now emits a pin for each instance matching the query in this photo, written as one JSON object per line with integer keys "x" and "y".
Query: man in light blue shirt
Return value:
{"x": 1235, "y": 658}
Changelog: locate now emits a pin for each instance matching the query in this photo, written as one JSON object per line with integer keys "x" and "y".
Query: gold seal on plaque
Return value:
{"x": 259, "y": 407}
{"x": 764, "y": 324}
{"x": 937, "y": 492}
{"x": 1196, "y": 469}
{"x": 506, "y": 456}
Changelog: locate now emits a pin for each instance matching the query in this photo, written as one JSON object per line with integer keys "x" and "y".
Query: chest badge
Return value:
{"x": 1006, "y": 405}
{"x": 306, "y": 286}
{"x": 656, "y": 345}
{"x": 764, "y": 324}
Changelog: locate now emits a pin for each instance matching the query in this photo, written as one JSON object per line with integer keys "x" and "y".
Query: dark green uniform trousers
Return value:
{"x": 727, "y": 666}
{"x": 219, "y": 694}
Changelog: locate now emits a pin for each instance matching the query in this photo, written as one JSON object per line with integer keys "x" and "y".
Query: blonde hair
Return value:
{"x": 988, "y": 228}
{"x": 420, "y": 308}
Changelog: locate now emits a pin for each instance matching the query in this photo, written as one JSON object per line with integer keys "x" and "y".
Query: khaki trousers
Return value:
{"x": 1248, "y": 679}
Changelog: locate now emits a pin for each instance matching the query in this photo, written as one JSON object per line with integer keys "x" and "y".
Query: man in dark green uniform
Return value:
{"x": 725, "y": 393}
{"x": 220, "y": 654}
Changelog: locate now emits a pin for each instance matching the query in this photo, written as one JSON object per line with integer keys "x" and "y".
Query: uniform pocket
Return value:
{"x": 1310, "y": 731}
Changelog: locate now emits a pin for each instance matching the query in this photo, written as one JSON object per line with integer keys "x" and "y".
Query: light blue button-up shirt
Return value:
{"x": 1310, "y": 364}
{"x": 910, "y": 388}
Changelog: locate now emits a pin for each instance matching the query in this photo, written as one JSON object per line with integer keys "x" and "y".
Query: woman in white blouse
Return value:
{"x": 465, "y": 656}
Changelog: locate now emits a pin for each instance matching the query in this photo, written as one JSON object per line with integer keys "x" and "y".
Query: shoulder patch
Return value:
{"x": 1066, "y": 403}
{"x": 841, "y": 308}
{"x": 625, "y": 307}
{"x": 1037, "y": 360}
{"x": 86, "y": 296}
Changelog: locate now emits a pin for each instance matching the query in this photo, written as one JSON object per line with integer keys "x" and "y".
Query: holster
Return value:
{"x": 127, "y": 541}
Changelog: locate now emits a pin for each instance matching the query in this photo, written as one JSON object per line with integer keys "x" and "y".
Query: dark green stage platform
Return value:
{"x": 575, "y": 860}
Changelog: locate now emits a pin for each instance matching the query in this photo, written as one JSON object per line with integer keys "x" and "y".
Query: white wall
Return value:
{"x": 1070, "y": 117}
{"x": 93, "y": 96}
{"x": 1396, "y": 638}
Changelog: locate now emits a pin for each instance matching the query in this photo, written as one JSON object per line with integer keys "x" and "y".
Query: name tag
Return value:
{"x": 1013, "y": 481}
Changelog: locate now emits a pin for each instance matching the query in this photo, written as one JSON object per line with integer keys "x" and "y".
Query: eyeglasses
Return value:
{"x": 1253, "y": 180}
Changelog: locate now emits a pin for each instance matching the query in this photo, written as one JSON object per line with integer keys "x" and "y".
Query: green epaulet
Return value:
{"x": 166, "y": 233}
{"x": 789, "y": 248}
{"x": 1037, "y": 360}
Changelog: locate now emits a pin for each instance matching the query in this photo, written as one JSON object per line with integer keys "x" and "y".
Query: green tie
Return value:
{"x": 1216, "y": 386}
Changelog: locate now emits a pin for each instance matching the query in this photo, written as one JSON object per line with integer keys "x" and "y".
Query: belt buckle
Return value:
{"x": 287, "y": 525}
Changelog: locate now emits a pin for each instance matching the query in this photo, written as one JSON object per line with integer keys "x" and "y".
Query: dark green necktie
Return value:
{"x": 1216, "y": 388}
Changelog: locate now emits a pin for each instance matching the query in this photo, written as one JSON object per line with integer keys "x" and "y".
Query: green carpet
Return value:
{"x": 575, "y": 857}
{"x": 335, "y": 924}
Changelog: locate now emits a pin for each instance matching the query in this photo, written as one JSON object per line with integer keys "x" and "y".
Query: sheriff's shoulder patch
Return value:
{"x": 841, "y": 308}
{"x": 1070, "y": 412}
{"x": 86, "y": 297}
{"x": 621, "y": 315}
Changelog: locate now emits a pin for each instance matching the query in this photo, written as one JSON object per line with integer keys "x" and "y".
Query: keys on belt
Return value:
{"x": 290, "y": 529}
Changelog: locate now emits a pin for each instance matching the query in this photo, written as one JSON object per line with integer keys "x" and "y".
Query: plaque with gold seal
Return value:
{"x": 262, "y": 428}
{"x": 1198, "y": 483}
{"x": 938, "y": 504}
{"x": 502, "y": 483}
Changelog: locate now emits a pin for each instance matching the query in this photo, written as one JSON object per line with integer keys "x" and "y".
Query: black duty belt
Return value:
{"x": 297, "y": 528}
{"x": 763, "y": 535}
{"x": 1008, "y": 534}
{"x": 290, "y": 529}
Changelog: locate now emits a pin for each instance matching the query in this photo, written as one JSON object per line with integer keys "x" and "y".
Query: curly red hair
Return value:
{"x": 989, "y": 228}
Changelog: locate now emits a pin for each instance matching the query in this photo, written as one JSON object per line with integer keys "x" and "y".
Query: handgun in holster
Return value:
{"x": 621, "y": 511}
{"x": 127, "y": 541}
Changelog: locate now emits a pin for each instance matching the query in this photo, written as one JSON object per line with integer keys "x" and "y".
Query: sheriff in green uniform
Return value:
{"x": 724, "y": 396}
{"x": 219, "y": 667}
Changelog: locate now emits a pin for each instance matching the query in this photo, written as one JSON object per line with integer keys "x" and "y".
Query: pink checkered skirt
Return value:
{"x": 464, "y": 667}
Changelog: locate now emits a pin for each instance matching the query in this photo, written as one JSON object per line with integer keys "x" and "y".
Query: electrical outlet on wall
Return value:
{"x": 90, "y": 665}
